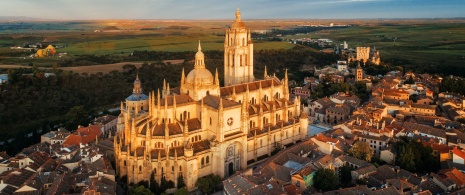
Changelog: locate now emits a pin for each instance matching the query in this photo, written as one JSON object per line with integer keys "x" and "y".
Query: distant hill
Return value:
{"x": 22, "y": 18}
{"x": 111, "y": 28}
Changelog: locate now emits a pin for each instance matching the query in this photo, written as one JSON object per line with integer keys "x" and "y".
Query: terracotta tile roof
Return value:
{"x": 8, "y": 190}
{"x": 323, "y": 138}
{"x": 241, "y": 88}
{"x": 75, "y": 139}
{"x": 291, "y": 189}
{"x": 201, "y": 146}
{"x": 214, "y": 102}
{"x": 179, "y": 151}
{"x": 194, "y": 124}
{"x": 91, "y": 129}
{"x": 174, "y": 129}
{"x": 424, "y": 129}
{"x": 366, "y": 170}
{"x": 459, "y": 153}
{"x": 180, "y": 99}
{"x": 442, "y": 148}
{"x": 305, "y": 171}
{"x": 18, "y": 177}
{"x": 104, "y": 119}
{"x": 154, "y": 153}
{"x": 237, "y": 185}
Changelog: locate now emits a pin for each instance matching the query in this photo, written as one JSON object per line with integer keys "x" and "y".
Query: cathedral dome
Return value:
{"x": 201, "y": 75}
{"x": 238, "y": 24}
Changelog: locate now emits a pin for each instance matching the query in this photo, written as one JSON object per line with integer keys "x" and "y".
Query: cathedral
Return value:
{"x": 204, "y": 128}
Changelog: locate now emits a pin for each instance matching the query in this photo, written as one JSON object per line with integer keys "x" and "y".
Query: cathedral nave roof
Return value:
{"x": 214, "y": 102}
{"x": 180, "y": 99}
{"x": 201, "y": 146}
{"x": 241, "y": 88}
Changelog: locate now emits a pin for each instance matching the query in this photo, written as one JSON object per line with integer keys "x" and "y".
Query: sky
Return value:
{"x": 224, "y": 9}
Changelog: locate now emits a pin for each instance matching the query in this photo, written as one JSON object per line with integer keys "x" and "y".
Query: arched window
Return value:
{"x": 202, "y": 162}
{"x": 243, "y": 41}
{"x": 155, "y": 171}
{"x": 208, "y": 159}
{"x": 163, "y": 121}
{"x": 175, "y": 143}
{"x": 140, "y": 168}
{"x": 172, "y": 168}
{"x": 210, "y": 120}
{"x": 287, "y": 135}
{"x": 274, "y": 137}
{"x": 261, "y": 143}
{"x": 125, "y": 163}
{"x": 192, "y": 139}
{"x": 180, "y": 168}
{"x": 133, "y": 168}
{"x": 158, "y": 145}
{"x": 180, "y": 117}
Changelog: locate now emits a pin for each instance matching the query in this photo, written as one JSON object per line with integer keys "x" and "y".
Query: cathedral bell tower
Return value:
{"x": 238, "y": 53}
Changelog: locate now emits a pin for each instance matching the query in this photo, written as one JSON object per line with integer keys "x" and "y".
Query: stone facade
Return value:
{"x": 206, "y": 129}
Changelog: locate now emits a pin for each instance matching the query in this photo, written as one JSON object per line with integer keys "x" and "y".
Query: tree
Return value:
{"x": 76, "y": 115}
{"x": 346, "y": 175}
{"x": 136, "y": 190}
{"x": 361, "y": 150}
{"x": 208, "y": 183}
{"x": 181, "y": 183}
{"x": 413, "y": 156}
{"x": 326, "y": 179}
{"x": 409, "y": 80}
{"x": 181, "y": 191}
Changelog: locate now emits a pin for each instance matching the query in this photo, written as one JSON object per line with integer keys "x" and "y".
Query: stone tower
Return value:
{"x": 238, "y": 53}
{"x": 363, "y": 54}
{"x": 359, "y": 73}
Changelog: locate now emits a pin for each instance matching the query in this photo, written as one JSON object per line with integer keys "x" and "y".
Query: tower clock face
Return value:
{"x": 230, "y": 121}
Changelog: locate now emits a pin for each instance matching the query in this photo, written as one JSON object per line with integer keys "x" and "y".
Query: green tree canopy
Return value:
{"x": 413, "y": 156}
{"x": 139, "y": 190}
{"x": 326, "y": 179}
{"x": 208, "y": 183}
{"x": 361, "y": 150}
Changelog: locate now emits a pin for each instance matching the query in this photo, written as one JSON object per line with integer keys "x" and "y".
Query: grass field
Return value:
{"x": 420, "y": 41}
{"x": 424, "y": 43}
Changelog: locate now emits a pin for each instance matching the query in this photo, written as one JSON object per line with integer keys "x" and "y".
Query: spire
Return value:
{"x": 199, "y": 58}
{"x": 265, "y": 73}
{"x": 238, "y": 15}
{"x": 164, "y": 84}
{"x": 358, "y": 66}
{"x": 183, "y": 77}
{"x": 137, "y": 89}
{"x": 122, "y": 106}
{"x": 217, "y": 79}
